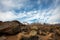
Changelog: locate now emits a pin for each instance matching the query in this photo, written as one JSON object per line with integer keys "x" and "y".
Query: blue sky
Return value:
{"x": 43, "y": 11}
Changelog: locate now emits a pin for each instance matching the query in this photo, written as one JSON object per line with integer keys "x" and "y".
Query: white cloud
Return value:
{"x": 7, "y": 5}
{"x": 55, "y": 16}
{"x": 49, "y": 15}
{"x": 7, "y": 16}
{"x": 41, "y": 16}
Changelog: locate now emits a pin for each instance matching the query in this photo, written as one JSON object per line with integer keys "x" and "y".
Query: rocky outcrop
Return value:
{"x": 10, "y": 27}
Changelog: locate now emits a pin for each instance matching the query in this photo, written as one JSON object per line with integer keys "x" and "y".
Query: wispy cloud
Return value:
{"x": 7, "y": 16}
{"x": 55, "y": 16}
{"x": 44, "y": 11}
{"x": 7, "y": 5}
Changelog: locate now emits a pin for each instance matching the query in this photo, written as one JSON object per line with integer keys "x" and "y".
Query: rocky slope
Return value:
{"x": 14, "y": 30}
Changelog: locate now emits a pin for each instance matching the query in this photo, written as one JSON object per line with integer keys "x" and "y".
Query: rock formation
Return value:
{"x": 10, "y": 27}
